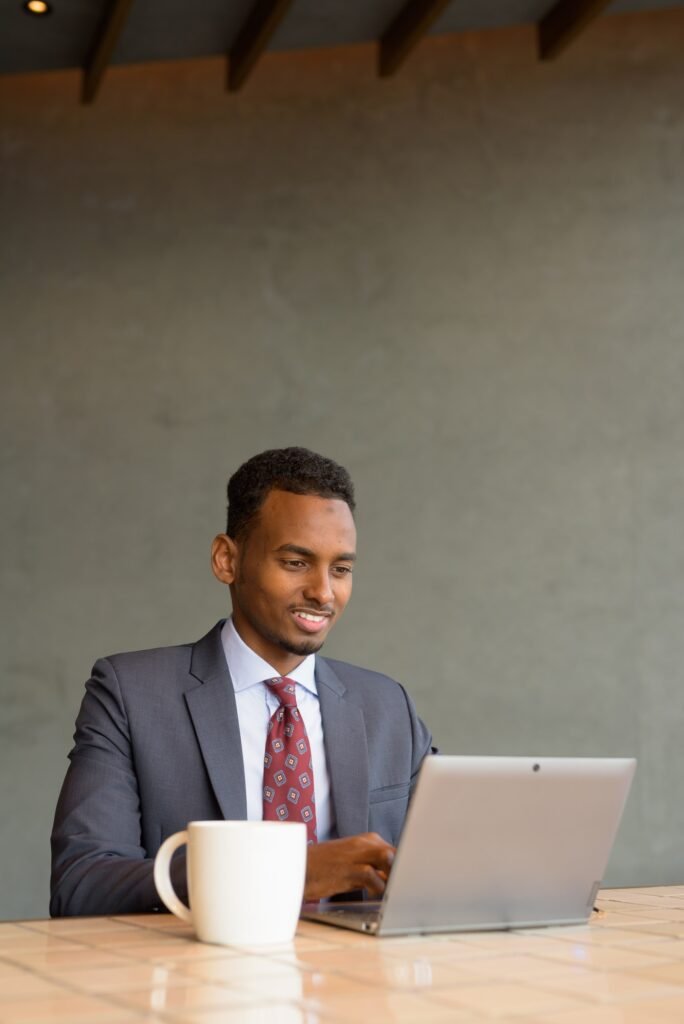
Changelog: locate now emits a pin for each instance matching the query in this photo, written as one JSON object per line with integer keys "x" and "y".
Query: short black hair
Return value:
{"x": 297, "y": 470}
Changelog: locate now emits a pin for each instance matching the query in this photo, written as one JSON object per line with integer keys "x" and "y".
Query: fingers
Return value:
{"x": 378, "y": 852}
{"x": 371, "y": 880}
{"x": 341, "y": 865}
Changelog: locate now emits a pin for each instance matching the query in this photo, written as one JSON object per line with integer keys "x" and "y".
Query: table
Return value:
{"x": 625, "y": 967}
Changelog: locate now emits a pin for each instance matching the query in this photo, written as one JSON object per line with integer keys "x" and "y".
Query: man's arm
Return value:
{"x": 99, "y": 862}
{"x": 99, "y": 865}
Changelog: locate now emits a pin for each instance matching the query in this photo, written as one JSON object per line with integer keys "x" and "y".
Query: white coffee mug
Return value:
{"x": 245, "y": 880}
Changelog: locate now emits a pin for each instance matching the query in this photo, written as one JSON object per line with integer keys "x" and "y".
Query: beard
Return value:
{"x": 301, "y": 647}
{"x": 304, "y": 648}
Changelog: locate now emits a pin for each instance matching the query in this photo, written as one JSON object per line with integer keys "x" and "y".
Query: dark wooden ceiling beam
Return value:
{"x": 564, "y": 22}
{"x": 253, "y": 38}
{"x": 403, "y": 34}
{"x": 107, "y": 38}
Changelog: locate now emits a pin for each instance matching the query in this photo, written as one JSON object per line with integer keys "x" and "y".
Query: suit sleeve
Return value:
{"x": 99, "y": 865}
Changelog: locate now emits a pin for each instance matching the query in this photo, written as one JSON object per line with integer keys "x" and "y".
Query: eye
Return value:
{"x": 293, "y": 563}
{"x": 342, "y": 570}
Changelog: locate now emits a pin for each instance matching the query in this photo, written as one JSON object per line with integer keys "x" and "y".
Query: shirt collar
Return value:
{"x": 248, "y": 669}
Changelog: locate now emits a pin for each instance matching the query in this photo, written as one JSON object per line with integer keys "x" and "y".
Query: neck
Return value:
{"x": 278, "y": 657}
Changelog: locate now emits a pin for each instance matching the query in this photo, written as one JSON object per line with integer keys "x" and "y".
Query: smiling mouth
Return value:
{"x": 311, "y": 622}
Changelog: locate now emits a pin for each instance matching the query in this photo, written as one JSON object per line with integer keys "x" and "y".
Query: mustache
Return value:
{"x": 317, "y": 609}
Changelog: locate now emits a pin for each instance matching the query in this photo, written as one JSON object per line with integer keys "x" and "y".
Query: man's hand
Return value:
{"x": 340, "y": 865}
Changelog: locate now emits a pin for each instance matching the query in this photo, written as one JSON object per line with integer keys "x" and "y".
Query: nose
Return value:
{"x": 319, "y": 587}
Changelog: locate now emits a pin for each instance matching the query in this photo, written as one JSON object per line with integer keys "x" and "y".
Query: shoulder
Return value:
{"x": 362, "y": 686}
{"x": 206, "y": 653}
{"x": 140, "y": 678}
{"x": 354, "y": 676}
{"x": 153, "y": 658}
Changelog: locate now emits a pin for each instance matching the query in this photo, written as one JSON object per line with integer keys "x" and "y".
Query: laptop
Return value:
{"x": 497, "y": 843}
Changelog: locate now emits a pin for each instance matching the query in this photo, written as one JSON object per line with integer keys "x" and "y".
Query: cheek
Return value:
{"x": 276, "y": 591}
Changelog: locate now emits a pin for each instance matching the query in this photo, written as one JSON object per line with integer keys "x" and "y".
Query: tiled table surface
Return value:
{"x": 625, "y": 967}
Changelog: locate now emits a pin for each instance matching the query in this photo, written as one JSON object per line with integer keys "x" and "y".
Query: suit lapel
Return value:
{"x": 346, "y": 749}
{"x": 211, "y": 702}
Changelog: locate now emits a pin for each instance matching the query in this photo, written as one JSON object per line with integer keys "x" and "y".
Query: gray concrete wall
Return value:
{"x": 465, "y": 283}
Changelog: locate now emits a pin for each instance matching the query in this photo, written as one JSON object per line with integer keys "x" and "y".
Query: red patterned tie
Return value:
{"x": 288, "y": 771}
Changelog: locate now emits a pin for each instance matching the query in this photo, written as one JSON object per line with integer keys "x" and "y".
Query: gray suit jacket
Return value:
{"x": 157, "y": 744}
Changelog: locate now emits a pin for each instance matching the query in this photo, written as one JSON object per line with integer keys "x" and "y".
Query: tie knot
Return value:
{"x": 284, "y": 689}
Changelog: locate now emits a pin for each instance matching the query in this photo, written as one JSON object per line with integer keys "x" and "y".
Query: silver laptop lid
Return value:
{"x": 503, "y": 842}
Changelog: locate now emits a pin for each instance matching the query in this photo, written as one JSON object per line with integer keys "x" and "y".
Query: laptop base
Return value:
{"x": 366, "y": 917}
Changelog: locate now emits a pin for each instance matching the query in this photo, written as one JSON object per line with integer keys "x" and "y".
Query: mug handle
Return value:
{"x": 162, "y": 876}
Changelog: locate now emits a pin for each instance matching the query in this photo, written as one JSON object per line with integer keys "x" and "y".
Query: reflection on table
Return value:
{"x": 625, "y": 967}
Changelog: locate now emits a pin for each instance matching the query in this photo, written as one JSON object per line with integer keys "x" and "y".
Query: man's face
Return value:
{"x": 291, "y": 576}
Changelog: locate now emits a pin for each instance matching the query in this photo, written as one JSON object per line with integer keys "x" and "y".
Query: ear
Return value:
{"x": 224, "y": 558}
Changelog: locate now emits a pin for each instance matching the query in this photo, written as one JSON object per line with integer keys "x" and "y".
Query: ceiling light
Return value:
{"x": 37, "y": 7}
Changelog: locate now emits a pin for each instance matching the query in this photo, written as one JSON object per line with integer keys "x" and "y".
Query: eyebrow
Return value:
{"x": 295, "y": 549}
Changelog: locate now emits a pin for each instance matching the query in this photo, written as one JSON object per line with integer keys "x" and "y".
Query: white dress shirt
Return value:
{"x": 256, "y": 704}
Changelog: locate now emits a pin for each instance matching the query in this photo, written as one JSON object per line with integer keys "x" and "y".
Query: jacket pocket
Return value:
{"x": 387, "y": 810}
{"x": 400, "y": 792}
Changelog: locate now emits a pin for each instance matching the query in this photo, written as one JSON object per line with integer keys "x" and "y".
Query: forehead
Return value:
{"x": 305, "y": 520}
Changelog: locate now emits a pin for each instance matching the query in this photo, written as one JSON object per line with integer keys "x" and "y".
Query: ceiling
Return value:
{"x": 172, "y": 29}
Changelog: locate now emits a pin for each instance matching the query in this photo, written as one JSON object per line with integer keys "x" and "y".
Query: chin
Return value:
{"x": 303, "y": 647}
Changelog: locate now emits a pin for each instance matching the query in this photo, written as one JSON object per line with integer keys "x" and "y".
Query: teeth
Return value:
{"x": 310, "y": 617}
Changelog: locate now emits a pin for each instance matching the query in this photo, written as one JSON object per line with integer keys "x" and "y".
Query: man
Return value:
{"x": 248, "y": 722}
